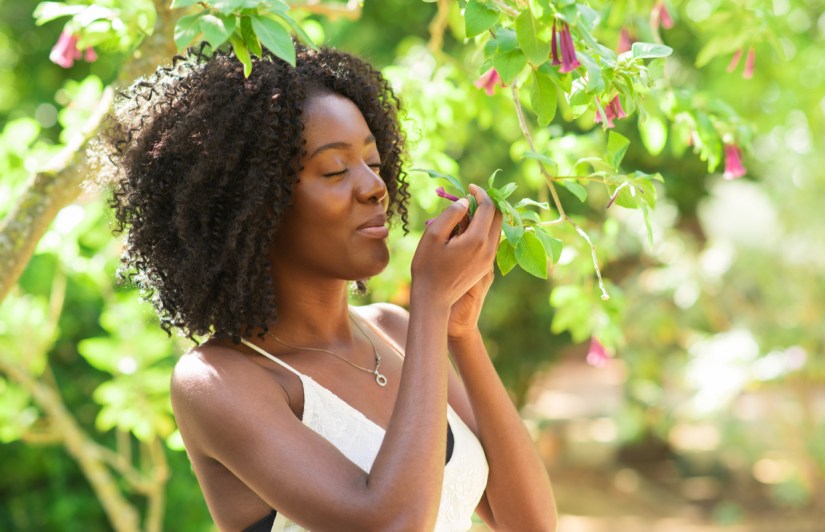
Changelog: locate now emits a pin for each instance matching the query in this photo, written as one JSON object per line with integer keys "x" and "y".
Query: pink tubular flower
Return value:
{"x": 734, "y": 61}
{"x": 625, "y": 41}
{"x": 748, "y": 72}
{"x": 597, "y": 354}
{"x": 662, "y": 16}
{"x": 613, "y": 110}
{"x": 441, "y": 193}
{"x": 568, "y": 60}
{"x": 734, "y": 168}
{"x": 65, "y": 51}
{"x": 488, "y": 81}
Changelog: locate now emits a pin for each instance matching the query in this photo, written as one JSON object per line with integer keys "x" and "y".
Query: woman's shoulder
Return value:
{"x": 211, "y": 373}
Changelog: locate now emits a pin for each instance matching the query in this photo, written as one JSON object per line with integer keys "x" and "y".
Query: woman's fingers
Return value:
{"x": 442, "y": 226}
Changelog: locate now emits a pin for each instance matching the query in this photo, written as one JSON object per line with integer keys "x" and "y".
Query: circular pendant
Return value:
{"x": 380, "y": 379}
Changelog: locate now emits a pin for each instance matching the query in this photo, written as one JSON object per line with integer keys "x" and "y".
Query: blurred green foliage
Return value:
{"x": 715, "y": 307}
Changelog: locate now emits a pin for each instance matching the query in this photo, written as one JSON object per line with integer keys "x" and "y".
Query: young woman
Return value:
{"x": 251, "y": 205}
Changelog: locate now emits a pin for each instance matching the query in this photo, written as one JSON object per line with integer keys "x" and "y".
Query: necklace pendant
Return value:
{"x": 381, "y": 380}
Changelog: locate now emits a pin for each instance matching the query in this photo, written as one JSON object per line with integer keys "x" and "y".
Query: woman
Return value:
{"x": 251, "y": 204}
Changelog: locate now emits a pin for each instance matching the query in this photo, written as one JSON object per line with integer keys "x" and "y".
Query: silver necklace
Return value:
{"x": 380, "y": 379}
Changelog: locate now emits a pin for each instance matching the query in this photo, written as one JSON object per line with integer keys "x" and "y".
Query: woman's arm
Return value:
{"x": 519, "y": 494}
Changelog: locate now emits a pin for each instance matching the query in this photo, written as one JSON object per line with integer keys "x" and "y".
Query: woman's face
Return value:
{"x": 336, "y": 225}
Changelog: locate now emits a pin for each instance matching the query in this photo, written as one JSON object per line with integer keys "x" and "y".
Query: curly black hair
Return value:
{"x": 204, "y": 162}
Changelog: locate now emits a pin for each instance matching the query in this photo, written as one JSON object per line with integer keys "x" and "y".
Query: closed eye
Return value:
{"x": 334, "y": 174}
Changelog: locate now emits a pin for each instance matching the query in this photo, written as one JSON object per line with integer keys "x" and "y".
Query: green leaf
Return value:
{"x": 242, "y": 52}
{"x": 275, "y": 38}
{"x": 509, "y": 65}
{"x": 506, "y": 257}
{"x": 217, "y": 28}
{"x": 527, "y": 33}
{"x": 277, "y": 6}
{"x": 529, "y": 202}
{"x": 552, "y": 246}
{"x": 512, "y": 226}
{"x": 176, "y": 4}
{"x": 718, "y": 45}
{"x": 507, "y": 190}
{"x": 250, "y": 38}
{"x": 298, "y": 29}
{"x": 529, "y": 216}
{"x": 647, "y": 50}
{"x": 616, "y": 148}
{"x": 492, "y": 179}
{"x": 653, "y": 131}
{"x": 542, "y": 158}
{"x": 478, "y": 18}
{"x": 48, "y": 11}
{"x": 709, "y": 142}
{"x": 186, "y": 29}
{"x": 438, "y": 175}
{"x": 543, "y": 98}
{"x": 575, "y": 188}
{"x": 531, "y": 256}
{"x": 648, "y": 226}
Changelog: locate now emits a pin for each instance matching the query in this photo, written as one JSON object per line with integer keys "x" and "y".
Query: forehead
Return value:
{"x": 330, "y": 118}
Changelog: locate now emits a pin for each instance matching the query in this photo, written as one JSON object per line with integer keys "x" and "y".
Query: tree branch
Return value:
{"x": 122, "y": 515}
{"x": 351, "y": 10}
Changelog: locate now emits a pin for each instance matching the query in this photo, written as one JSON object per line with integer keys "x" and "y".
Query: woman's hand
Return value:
{"x": 447, "y": 267}
{"x": 465, "y": 312}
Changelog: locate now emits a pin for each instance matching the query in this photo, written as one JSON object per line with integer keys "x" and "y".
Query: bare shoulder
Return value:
{"x": 213, "y": 383}
{"x": 392, "y": 319}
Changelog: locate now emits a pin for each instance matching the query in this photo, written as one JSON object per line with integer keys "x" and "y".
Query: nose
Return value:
{"x": 371, "y": 187}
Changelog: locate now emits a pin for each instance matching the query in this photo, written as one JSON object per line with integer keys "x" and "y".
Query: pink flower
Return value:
{"x": 611, "y": 111}
{"x": 568, "y": 60}
{"x": 734, "y": 61}
{"x": 65, "y": 52}
{"x": 748, "y": 72}
{"x": 625, "y": 41}
{"x": 733, "y": 162}
{"x": 597, "y": 354}
{"x": 488, "y": 81}
{"x": 441, "y": 193}
{"x": 662, "y": 16}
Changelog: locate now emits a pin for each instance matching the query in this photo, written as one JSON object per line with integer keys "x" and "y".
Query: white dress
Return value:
{"x": 359, "y": 439}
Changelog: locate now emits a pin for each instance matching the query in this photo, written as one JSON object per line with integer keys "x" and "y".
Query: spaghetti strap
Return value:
{"x": 271, "y": 357}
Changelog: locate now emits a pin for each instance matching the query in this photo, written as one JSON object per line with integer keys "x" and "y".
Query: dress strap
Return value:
{"x": 271, "y": 357}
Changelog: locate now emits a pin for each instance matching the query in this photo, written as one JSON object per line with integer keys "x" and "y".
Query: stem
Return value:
{"x": 505, "y": 8}
{"x": 351, "y": 10}
{"x": 549, "y": 179}
{"x": 438, "y": 25}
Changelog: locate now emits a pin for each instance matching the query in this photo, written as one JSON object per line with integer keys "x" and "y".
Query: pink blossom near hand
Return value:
{"x": 597, "y": 355}
{"x": 734, "y": 168}
{"x": 65, "y": 51}
{"x": 747, "y": 73}
{"x": 488, "y": 81}
{"x": 441, "y": 193}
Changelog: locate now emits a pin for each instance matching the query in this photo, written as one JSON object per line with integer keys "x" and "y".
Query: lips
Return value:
{"x": 375, "y": 227}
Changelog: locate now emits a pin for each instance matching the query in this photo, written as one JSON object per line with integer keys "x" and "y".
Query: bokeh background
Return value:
{"x": 709, "y": 416}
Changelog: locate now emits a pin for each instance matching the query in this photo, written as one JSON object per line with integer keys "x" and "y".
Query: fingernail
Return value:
{"x": 464, "y": 202}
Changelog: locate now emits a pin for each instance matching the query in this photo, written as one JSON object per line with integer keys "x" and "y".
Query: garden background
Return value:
{"x": 686, "y": 393}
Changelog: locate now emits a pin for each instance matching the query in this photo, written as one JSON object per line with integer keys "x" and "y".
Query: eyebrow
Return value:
{"x": 370, "y": 139}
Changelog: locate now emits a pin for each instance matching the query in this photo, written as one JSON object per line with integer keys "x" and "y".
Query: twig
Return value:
{"x": 351, "y": 10}
{"x": 549, "y": 179}
{"x": 438, "y": 25}
{"x": 505, "y": 8}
